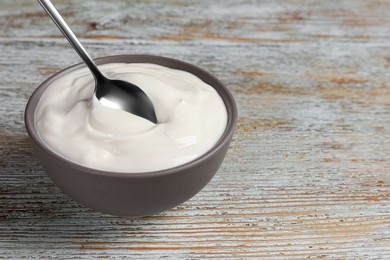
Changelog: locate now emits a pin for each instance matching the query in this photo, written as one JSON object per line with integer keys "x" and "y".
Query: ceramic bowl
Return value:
{"x": 133, "y": 194}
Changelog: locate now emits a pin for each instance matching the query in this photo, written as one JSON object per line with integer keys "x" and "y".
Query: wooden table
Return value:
{"x": 307, "y": 174}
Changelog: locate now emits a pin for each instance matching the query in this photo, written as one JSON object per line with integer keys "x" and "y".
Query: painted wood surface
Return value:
{"x": 307, "y": 174}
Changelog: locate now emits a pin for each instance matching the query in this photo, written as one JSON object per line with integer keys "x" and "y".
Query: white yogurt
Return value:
{"x": 74, "y": 124}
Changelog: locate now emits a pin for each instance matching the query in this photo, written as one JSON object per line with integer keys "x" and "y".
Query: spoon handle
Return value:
{"x": 70, "y": 36}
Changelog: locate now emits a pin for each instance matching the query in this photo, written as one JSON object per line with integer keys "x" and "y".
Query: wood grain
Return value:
{"x": 307, "y": 174}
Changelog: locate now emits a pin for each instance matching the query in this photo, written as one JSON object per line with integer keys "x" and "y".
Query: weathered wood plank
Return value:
{"x": 307, "y": 175}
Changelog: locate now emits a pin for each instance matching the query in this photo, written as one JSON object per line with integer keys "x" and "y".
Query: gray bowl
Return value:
{"x": 133, "y": 194}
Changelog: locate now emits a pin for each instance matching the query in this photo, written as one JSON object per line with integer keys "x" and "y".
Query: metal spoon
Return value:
{"x": 116, "y": 93}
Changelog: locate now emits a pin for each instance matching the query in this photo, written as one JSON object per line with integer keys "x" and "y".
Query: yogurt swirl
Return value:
{"x": 74, "y": 124}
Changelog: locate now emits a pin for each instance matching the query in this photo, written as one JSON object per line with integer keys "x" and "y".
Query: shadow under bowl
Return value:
{"x": 133, "y": 194}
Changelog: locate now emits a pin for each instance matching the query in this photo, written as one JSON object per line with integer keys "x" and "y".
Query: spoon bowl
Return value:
{"x": 113, "y": 93}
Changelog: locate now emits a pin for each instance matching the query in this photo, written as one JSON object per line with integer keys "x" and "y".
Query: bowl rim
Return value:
{"x": 222, "y": 90}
